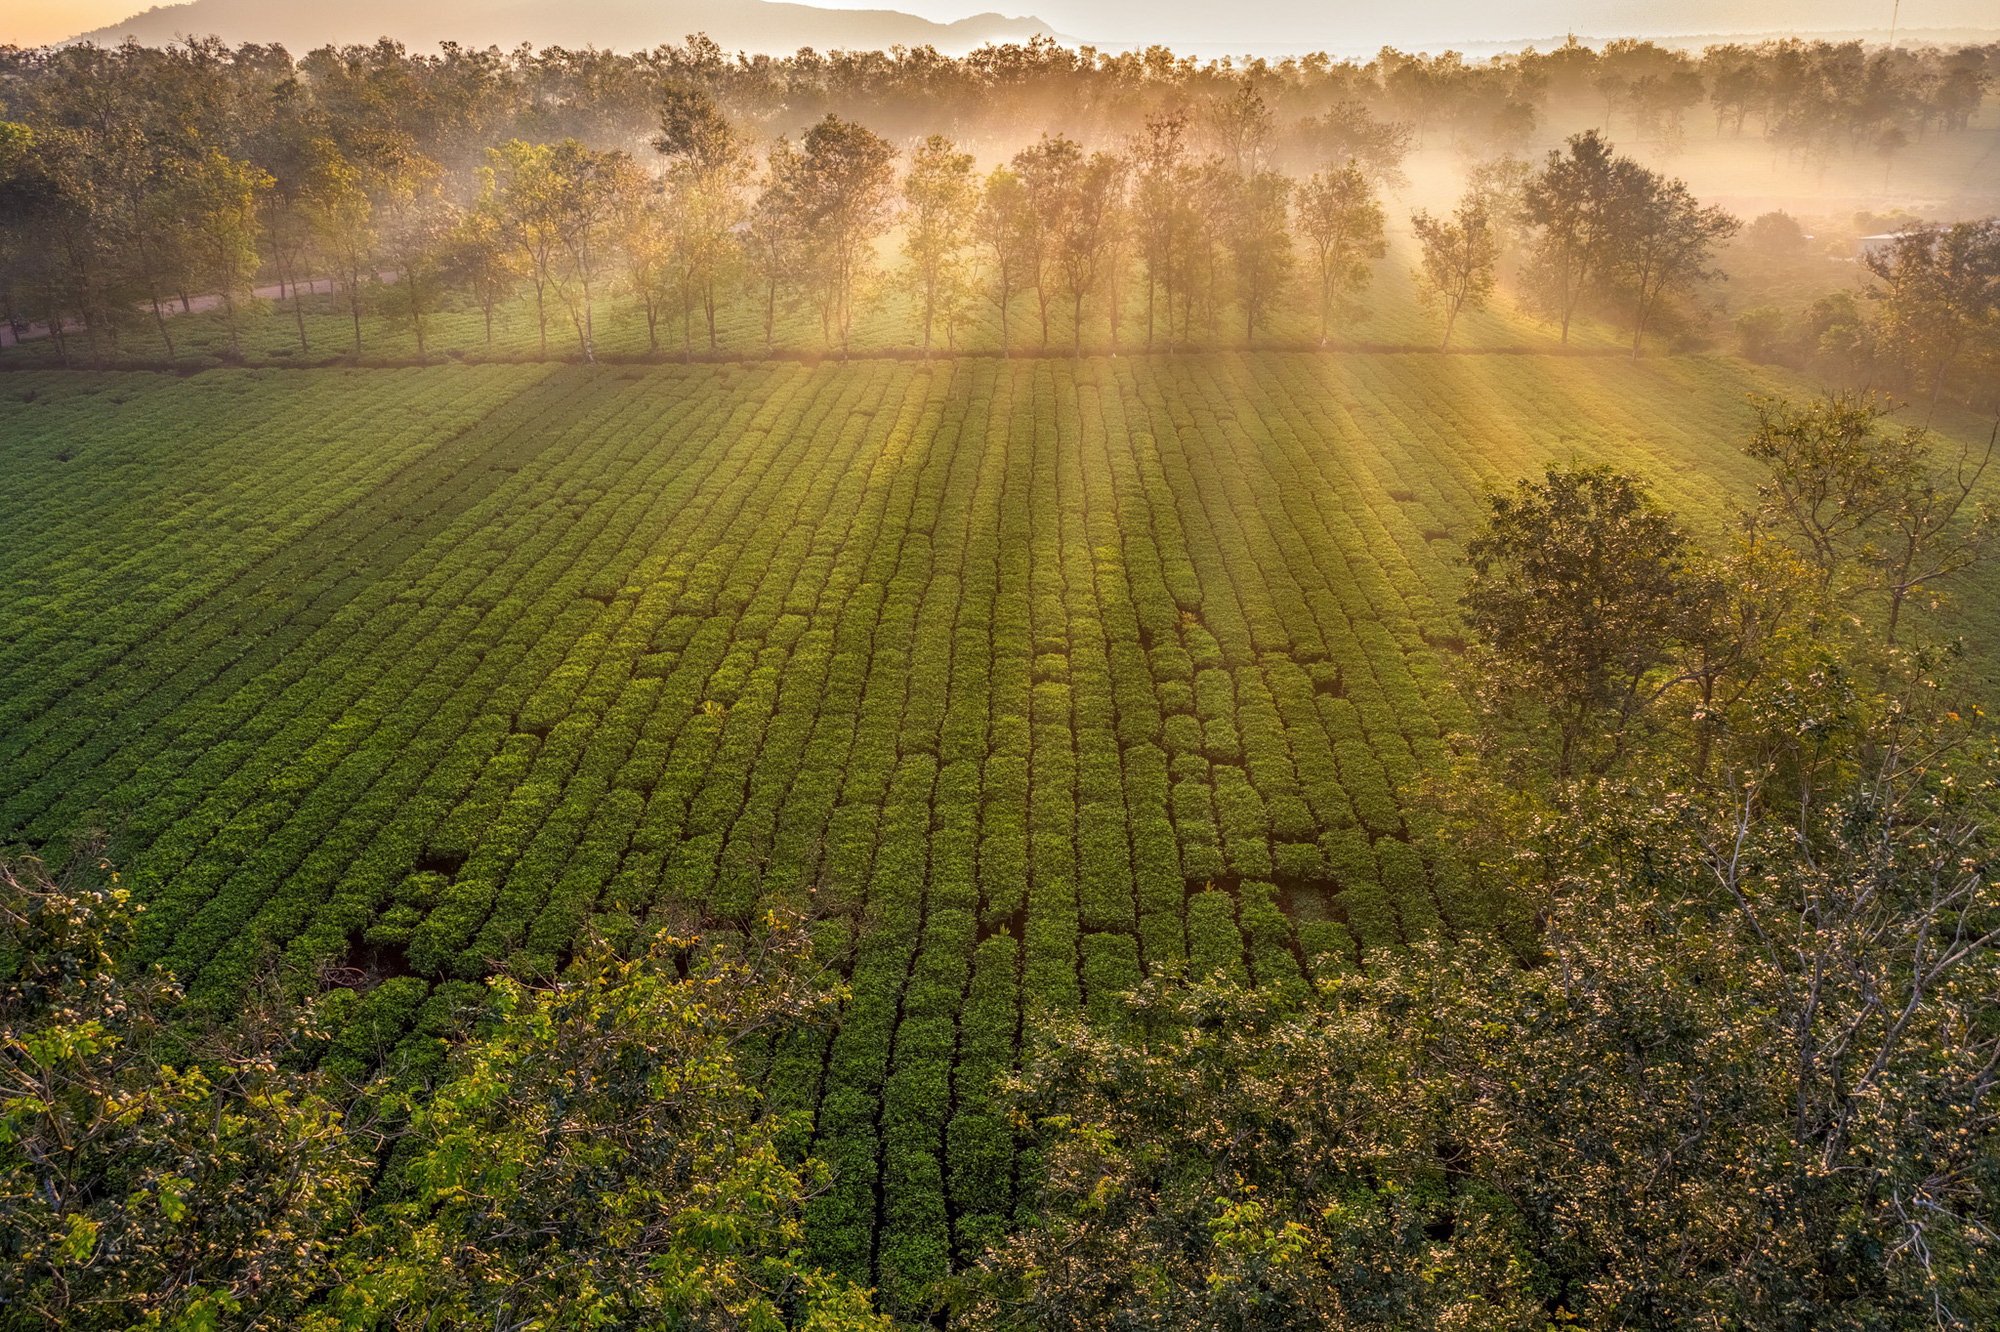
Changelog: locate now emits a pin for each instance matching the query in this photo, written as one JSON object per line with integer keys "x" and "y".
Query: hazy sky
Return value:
{"x": 34, "y": 22}
{"x": 1364, "y": 25}
{"x": 1339, "y": 25}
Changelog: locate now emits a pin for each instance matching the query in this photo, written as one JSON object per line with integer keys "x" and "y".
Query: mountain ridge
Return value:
{"x": 776, "y": 27}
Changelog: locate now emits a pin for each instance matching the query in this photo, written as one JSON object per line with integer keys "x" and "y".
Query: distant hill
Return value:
{"x": 748, "y": 25}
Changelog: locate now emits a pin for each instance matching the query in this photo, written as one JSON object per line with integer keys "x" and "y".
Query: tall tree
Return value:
{"x": 1086, "y": 233}
{"x": 1940, "y": 296}
{"x": 708, "y": 166}
{"x": 1349, "y": 133}
{"x": 518, "y": 191}
{"x": 1241, "y": 125}
{"x": 294, "y": 146}
{"x": 1209, "y": 192}
{"x": 1455, "y": 271}
{"x": 937, "y": 221}
{"x": 418, "y": 245}
{"x": 1158, "y": 156}
{"x": 844, "y": 188}
{"x": 215, "y": 199}
{"x": 591, "y": 189}
{"x": 1260, "y": 244}
{"x": 1569, "y": 203}
{"x": 1050, "y": 171}
{"x": 482, "y": 261}
{"x": 1341, "y": 221}
{"x": 773, "y": 237}
{"x": 1663, "y": 241}
{"x": 645, "y": 238}
{"x": 341, "y": 215}
{"x": 1009, "y": 237}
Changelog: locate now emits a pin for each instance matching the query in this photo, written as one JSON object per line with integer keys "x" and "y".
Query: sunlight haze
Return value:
{"x": 1266, "y": 25}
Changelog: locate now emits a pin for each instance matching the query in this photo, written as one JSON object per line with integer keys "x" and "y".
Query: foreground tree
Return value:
{"x": 599, "y": 1159}
{"x": 1872, "y": 509}
{"x": 195, "y": 1181}
{"x": 593, "y": 1155}
{"x": 1582, "y": 587}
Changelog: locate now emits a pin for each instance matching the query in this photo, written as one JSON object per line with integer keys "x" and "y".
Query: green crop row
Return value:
{"x": 1020, "y": 677}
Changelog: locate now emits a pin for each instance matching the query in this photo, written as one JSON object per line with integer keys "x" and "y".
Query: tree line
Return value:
{"x": 1809, "y": 96}
{"x": 136, "y": 179}
{"x": 100, "y": 232}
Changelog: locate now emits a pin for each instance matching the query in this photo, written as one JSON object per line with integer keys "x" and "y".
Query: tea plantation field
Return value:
{"x": 1025, "y": 674}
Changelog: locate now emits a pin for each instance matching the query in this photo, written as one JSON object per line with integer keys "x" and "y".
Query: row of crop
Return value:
{"x": 595, "y": 720}
{"x": 1368, "y": 775}
{"x": 432, "y": 794}
{"x": 883, "y": 1114}
{"x": 1069, "y": 735}
{"x": 230, "y": 696}
{"x": 1016, "y": 657}
{"x": 153, "y": 597}
{"x": 1252, "y": 867}
{"x": 426, "y": 792}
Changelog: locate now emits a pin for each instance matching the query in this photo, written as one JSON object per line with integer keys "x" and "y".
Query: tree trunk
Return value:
{"x": 299, "y": 313}
{"x": 160, "y": 319}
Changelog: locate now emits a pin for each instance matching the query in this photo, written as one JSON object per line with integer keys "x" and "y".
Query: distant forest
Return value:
{"x": 1029, "y": 180}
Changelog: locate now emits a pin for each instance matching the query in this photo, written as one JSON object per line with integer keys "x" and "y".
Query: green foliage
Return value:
{"x": 992, "y": 666}
{"x": 595, "y": 1154}
{"x": 150, "y": 1177}
{"x": 1581, "y": 588}
{"x": 1218, "y": 1158}
{"x": 1740, "y": 1069}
